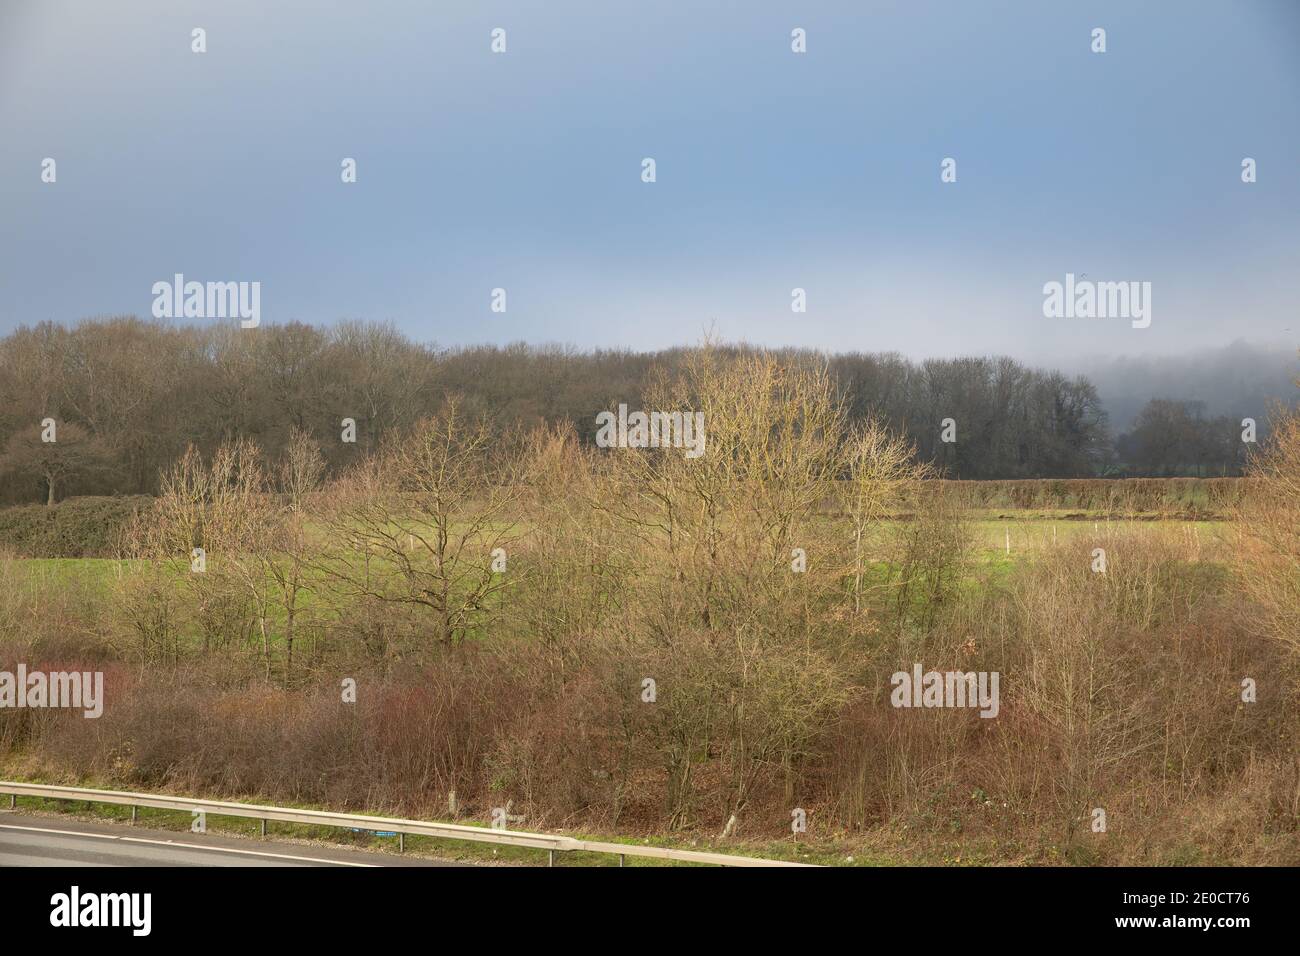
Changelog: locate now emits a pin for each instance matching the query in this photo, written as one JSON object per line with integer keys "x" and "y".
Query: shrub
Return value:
{"x": 76, "y": 528}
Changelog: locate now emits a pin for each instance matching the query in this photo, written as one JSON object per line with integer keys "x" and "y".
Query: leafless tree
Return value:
{"x": 423, "y": 522}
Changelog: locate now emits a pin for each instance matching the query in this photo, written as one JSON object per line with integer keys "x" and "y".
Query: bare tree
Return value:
{"x": 1268, "y": 521}
{"x": 425, "y": 521}
{"x": 220, "y": 508}
{"x": 880, "y": 467}
{"x": 290, "y": 550}
{"x": 75, "y": 452}
{"x": 739, "y": 630}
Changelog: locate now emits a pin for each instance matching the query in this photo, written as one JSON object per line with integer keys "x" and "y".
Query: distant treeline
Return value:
{"x": 128, "y": 396}
{"x": 1240, "y": 378}
{"x": 1122, "y": 498}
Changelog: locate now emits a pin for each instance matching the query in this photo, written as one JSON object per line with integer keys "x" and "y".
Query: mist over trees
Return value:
{"x": 1177, "y": 438}
{"x": 1238, "y": 380}
{"x": 1183, "y": 415}
{"x": 131, "y": 395}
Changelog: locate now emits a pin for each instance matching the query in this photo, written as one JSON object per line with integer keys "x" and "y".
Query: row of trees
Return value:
{"x": 429, "y": 520}
{"x": 1172, "y": 438}
{"x": 713, "y": 575}
{"x": 634, "y": 637}
{"x": 1010, "y": 421}
{"x": 130, "y": 395}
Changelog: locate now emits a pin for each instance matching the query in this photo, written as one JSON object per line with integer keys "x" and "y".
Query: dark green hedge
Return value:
{"x": 77, "y": 528}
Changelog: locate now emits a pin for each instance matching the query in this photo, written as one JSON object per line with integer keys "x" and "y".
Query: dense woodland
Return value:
{"x": 130, "y": 395}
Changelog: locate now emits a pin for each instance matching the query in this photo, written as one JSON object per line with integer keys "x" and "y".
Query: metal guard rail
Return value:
{"x": 450, "y": 831}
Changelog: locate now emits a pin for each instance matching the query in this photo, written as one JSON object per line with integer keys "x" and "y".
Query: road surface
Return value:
{"x": 53, "y": 841}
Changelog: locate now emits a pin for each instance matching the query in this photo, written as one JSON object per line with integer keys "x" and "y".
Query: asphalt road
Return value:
{"x": 53, "y": 841}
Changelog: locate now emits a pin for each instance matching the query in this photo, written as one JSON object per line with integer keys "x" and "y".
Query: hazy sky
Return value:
{"x": 775, "y": 170}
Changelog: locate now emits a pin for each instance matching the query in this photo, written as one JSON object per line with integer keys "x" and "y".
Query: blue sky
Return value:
{"x": 775, "y": 170}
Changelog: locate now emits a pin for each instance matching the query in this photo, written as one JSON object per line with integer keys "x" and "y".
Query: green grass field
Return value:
{"x": 994, "y": 541}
